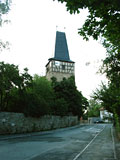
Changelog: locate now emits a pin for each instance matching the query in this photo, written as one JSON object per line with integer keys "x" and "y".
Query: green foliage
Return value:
{"x": 94, "y": 108}
{"x": 117, "y": 121}
{"x": 109, "y": 97}
{"x": 103, "y": 19}
{"x": 67, "y": 90}
{"x": 39, "y": 98}
{"x": 9, "y": 77}
{"x": 111, "y": 67}
{"x": 4, "y": 9}
{"x": 36, "y": 96}
{"x": 36, "y": 106}
{"x": 14, "y": 101}
{"x": 60, "y": 107}
{"x": 4, "y": 6}
{"x": 41, "y": 86}
{"x": 110, "y": 94}
{"x": 12, "y": 85}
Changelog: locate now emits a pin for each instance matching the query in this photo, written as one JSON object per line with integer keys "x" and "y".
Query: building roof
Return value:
{"x": 61, "y": 48}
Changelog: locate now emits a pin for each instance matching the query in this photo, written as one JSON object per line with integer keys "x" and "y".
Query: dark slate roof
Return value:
{"x": 61, "y": 48}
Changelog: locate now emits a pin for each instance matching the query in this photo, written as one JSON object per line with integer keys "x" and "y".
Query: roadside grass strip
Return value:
{"x": 113, "y": 140}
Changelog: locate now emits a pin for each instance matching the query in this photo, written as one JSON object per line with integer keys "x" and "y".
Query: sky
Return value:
{"x": 32, "y": 32}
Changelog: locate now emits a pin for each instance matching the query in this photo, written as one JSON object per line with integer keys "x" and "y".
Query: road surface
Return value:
{"x": 89, "y": 142}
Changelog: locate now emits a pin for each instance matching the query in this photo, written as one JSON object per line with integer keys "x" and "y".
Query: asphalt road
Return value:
{"x": 90, "y": 142}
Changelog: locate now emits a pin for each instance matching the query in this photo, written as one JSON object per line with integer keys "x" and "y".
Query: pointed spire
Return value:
{"x": 61, "y": 48}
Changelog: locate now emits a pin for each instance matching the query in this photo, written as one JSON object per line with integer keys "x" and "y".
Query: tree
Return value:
{"x": 103, "y": 19}
{"x": 35, "y": 106}
{"x": 60, "y": 107}
{"x": 4, "y": 9}
{"x": 66, "y": 89}
{"x": 109, "y": 96}
{"x": 9, "y": 77}
{"x": 4, "y": 6}
{"x": 103, "y": 22}
{"x": 110, "y": 99}
{"x": 94, "y": 108}
{"x": 41, "y": 86}
{"x": 39, "y": 97}
{"x": 12, "y": 82}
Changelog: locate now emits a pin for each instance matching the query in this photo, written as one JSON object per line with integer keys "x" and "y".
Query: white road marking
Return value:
{"x": 93, "y": 130}
{"x": 38, "y": 154}
{"x": 78, "y": 155}
{"x": 89, "y": 129}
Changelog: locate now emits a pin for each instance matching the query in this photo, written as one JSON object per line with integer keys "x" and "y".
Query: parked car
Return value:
{"x": 99, "y": 121}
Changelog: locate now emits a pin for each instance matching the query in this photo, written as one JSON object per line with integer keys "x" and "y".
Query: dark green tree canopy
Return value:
{"x": 109, "y": 97}
{"x": 10, "y": 78}
{"x": 103, "y": 19}
{"x": 67, "y": 90}
{"x": 36, "y": 96}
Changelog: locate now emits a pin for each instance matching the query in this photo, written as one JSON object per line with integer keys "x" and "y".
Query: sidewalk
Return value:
{"x": 117, "y": 145}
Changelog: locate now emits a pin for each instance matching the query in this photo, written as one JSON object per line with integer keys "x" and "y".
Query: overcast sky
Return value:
{"x": 32, "y": 34}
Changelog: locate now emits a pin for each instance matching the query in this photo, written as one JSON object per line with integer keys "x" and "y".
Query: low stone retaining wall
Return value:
{"x": 11, "y": 123}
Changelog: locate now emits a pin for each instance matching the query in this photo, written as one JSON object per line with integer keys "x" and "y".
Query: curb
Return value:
{"x": 14, "y": 136}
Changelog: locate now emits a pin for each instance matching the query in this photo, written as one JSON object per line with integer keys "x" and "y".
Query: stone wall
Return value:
{"x": 11, "y": 123}
{"x": 59, "y": 76}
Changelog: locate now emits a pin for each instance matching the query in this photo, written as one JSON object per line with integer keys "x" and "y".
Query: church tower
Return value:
{"x": 60, "y": 65}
